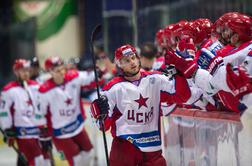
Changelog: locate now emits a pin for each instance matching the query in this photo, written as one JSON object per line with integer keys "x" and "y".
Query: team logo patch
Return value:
{"x": 152, "y": 80}
{"x": 141, "y": 101}
{"x": 23, "y": 131}
{"x": 130, "y": 139}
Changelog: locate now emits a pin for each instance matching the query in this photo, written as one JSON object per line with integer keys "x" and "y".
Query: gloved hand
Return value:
{"x": 100, "y": 107}
{"x": 208, "y": 61}
{"x": 186, "y": 66}
{"x": 186, "y": 49}
{"x": 239, "y": 83}
{"x": 10, "y": 136}
{"x": 45, "y": 139}
{"x": 168, "y": 70}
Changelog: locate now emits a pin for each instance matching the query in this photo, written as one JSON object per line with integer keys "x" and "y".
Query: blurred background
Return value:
{"x": 44, "y": 28}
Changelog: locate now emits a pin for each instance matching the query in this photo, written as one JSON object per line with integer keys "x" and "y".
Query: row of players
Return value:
{"x": 196, "y": 66}
{"x": 210, "y": 66}
{"x": 33, "y": 113}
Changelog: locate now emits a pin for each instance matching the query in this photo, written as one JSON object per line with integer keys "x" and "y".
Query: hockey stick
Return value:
{"x": 95, "y": 31}
{"x": 50, "y": 153}
{"x": 20, "y": 155}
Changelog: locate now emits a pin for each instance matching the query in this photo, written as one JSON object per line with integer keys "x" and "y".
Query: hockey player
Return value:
{"x": 234, "y": 29}
{"x": 131, "y": 104}
{"x": 18, "y": 120}
{"x": 148, "y": 53}
{"x": 179, "y": 37}
{"x": 159, "y": 42}
{"x": 103, "y": 61}
{"x": 60, "y": 102}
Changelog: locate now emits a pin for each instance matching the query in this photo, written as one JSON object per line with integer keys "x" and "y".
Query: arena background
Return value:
{"x": 126, "y": 21}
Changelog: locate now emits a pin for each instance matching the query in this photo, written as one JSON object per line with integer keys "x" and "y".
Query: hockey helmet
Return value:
{"x": 125, "y": 50}
{"x": 52, "y": 62}
{"x": 203, "y": 29}
{"x": 159, "y": 39}
{"x": 20, "y": 64}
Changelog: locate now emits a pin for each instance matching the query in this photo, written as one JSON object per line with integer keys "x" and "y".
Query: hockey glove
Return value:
{"x": 100, "y": 107}
{"x": 45, "y": 139}
{"x": 168, "y": 70}
{"x": 10, "y": 136}
{"x": 186, "y": 49}
{"x": 239, "y": 83}
{"x": 185, "y": 65}
{"x": 208, "y": 61}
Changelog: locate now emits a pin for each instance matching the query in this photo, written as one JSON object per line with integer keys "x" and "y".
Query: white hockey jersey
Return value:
{"x": 236, "y": 56}
{"x": 63, "y": 102}
{"x": 18, "y": 108}
{"x": 134, "y": 112}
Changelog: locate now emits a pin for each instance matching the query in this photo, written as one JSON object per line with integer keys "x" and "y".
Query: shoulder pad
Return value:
{"x": 32, "y": 82}
{"x": 145, "y": 73}
{"x": 71, "y": 74}
{"x": 10, "y": 85}
{"x": 46, "y": 86}
{"x": 113, "y": 82}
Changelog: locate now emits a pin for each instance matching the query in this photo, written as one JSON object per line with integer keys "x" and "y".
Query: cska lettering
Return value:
{"x": 140, "y": 117}
{"x": 68, "y": 112}
{"x": 28, "y": 113}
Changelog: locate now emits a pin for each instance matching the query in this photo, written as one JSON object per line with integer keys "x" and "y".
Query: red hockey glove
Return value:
{"x": 186, "y": 49}
{"x": 100, "y": 107}
{"x": 10, "y": 136}
{"x": 185, "y": 65}
{"x": 239, "y": 83}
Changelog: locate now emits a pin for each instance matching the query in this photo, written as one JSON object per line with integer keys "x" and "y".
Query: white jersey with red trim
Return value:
{"x": 134, "y": 112}
{"x": 63, "y": 102}
{"x": 17, "y": 109}
{"x": 236, "y": 56}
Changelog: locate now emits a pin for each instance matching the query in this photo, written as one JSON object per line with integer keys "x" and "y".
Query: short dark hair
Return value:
{"x": 148, "y": 50}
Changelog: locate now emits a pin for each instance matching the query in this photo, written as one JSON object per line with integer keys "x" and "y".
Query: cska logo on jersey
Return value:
{"x": 68, "y": 101}
{"x": 140, "y": 116}
{"x": 141, "y": 101}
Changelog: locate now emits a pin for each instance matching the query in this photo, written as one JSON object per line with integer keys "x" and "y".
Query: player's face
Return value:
{"x": 227, "y": 34}
{"x": 220, "y": 30}
{"x": 23, "y": 74}
{"x": 234, "y": 39}
{"x": 58, "y": 74}
{"x": 130, "y": 65}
